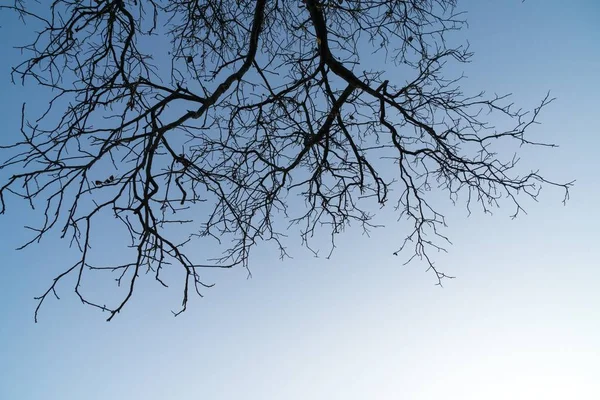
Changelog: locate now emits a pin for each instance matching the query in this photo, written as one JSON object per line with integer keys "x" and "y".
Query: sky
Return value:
{"x": 521, "y": 320}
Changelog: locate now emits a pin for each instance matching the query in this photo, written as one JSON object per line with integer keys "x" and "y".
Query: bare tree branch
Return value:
{"x": 216, "y": 116}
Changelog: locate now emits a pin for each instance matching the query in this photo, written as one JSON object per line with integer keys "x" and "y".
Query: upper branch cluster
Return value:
{"x": 246, "y": 107}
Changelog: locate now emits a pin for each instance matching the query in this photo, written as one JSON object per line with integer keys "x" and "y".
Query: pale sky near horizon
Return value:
{"x": 520, "y": 321}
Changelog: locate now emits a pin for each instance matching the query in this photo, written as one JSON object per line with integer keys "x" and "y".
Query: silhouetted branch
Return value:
{"x": 216, "y": 115}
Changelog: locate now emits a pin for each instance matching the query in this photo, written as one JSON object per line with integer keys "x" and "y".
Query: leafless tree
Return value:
{"x": 218, "y": 115}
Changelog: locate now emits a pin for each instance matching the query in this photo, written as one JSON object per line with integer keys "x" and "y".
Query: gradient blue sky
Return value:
{"x": 521, "y": 321}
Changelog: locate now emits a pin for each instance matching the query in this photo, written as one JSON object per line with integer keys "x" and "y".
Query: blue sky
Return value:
{"x": 521, "y": 320}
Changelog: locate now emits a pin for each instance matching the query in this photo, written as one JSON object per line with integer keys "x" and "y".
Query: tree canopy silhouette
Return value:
{"x": 239, "y": 122}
